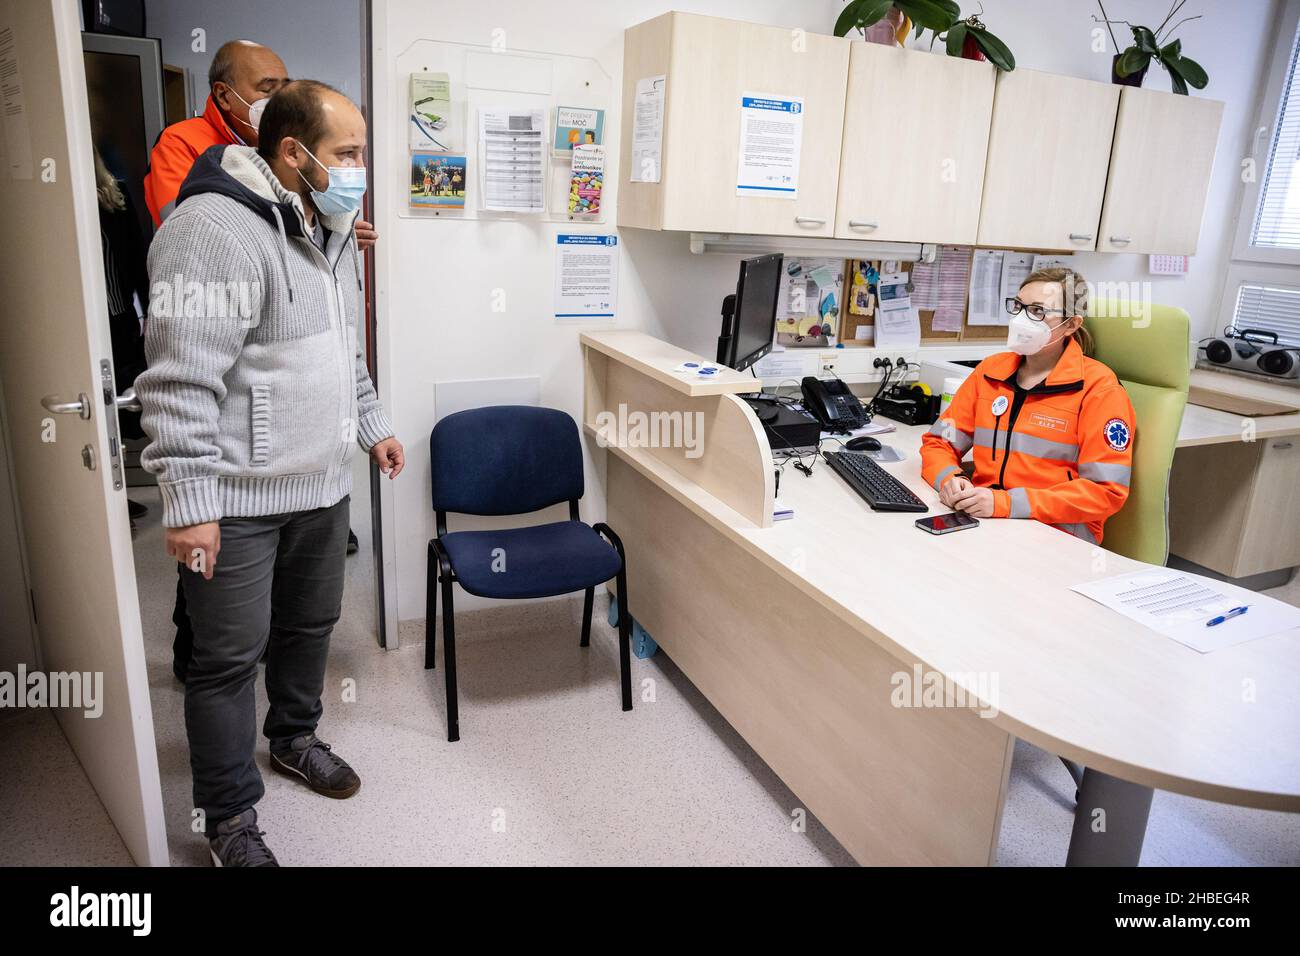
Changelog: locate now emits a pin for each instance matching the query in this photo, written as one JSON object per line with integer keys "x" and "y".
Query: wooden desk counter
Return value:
{"x": 805, "y": 633}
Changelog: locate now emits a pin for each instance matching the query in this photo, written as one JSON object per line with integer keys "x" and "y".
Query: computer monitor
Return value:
{"x": 749, "y": 316}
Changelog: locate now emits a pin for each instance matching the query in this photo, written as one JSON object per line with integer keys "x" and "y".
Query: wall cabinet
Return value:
{"x": 1049, "y": 148}
{"x": 1160, "y": 170}
{"x": 916, "y": 133}
{"x": 709, "y": 63}
{"x": 914, "y": 146}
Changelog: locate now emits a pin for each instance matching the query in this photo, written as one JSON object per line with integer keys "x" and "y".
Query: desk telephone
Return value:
{"x": 832, "y": 404}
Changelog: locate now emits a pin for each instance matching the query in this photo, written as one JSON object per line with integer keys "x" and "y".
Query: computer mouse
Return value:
{"x": 862, "y": 443}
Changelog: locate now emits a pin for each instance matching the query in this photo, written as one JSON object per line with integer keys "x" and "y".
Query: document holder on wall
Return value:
{"x": 485, "y": 77}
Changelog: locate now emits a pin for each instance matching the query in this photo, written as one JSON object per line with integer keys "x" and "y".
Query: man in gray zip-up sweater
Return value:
{"x": 255, "y": 394}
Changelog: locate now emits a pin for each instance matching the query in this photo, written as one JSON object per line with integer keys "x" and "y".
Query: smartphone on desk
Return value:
{"x": 944, "y": 524}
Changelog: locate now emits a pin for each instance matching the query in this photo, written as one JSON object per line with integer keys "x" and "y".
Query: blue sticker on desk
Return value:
{"x": 1000, "y": 405}
{"x": 1117, "y": 434}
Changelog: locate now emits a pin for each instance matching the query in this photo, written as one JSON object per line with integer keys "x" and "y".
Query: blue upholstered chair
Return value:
{"x": 513, "y": 460}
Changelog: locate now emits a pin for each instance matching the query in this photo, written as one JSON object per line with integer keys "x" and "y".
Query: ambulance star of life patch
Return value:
{"x": 1117, "y": 434}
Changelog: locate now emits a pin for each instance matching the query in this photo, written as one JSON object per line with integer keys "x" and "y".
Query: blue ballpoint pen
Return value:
{"x": 1236, "y": 611}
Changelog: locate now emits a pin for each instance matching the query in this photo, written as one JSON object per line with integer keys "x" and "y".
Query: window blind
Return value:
{"x": 1270, "y": 309}
{"x": 1277, "y": 218}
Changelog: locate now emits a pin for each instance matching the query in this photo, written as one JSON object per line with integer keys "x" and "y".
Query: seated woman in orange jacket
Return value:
{"x": 1050, "y": 430}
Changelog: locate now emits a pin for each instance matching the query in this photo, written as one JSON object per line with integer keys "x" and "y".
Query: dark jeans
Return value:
{"x": 278, "y": 588}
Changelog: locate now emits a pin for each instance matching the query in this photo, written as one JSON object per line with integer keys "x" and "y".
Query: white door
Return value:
{"x": 53, "y": 337}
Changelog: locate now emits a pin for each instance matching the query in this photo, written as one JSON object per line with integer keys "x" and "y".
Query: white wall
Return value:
{"x": 317, "y": 39}
{"x": 436, "y": 278}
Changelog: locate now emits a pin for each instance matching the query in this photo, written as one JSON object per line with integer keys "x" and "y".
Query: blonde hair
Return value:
{"x": 1074, "y": 298}
{"x": 110, "y": 193}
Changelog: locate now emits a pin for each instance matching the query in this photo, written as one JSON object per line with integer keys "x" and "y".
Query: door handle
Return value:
{"x": 863, "y": 224}
{"x": 809, "y": 221}
{"x": 1081, "y": 236}
{"x": 1121, "y": 240}
{"x": 128, "y": 401}
{"x": 81, "y": 407}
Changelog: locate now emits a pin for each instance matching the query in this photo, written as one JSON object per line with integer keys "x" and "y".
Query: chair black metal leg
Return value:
{"x": 586, "y": 617}
{"x": 449, "y": 660}
{"x": 624, "y": 640}
{"x": 430, "y": 609}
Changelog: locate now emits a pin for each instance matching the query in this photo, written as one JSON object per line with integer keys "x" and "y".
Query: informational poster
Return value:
{"x": 586, "y": 180}
{"x": 13, "y": 100}
{"x": 577, "y": 126}
{"x": 431, "y": 113}
{"x": 771, "y": 138}
{"x": 648, "y": 129}
{"x": 586, "y": 276}
{"x": 513, "y": 163}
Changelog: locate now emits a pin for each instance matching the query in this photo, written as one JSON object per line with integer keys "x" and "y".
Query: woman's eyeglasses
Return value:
{"x": 1036, "y": 312}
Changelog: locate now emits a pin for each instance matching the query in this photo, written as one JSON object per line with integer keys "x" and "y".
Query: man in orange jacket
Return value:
{"x": 1050, "y": 430}
{"x": 241, "y": 79}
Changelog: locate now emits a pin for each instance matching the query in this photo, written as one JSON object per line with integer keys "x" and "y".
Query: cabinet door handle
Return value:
{"x": 863, "y": 224}
{"x": 809, "y": 221}
{"x": 1281, "y": 445}
{"x": 1121, "y": 240}
{"x": 1081, "y": 236}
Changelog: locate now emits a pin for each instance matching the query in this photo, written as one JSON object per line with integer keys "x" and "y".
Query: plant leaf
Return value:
{"x": 848, "y": 18}
{"x": 997, "y": 51}
{"x": 1145, "y": 40}
{"x": 937, "y": 15}
{"x": 1176, "y": 81}
{"x": 1191, "y": 71}
{"x": 1131, "y": 61}
{"x": 1171, "y": 49}
{"x": 956, "y": 37}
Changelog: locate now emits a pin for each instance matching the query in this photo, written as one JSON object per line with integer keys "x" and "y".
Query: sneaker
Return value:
{"x": 310, "y": 759}
{"x": 353, "y": 545}
{"x": 239, "y": 843}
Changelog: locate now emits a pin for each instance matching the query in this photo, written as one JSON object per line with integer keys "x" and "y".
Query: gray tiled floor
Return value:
{"x": 548, "y": 770}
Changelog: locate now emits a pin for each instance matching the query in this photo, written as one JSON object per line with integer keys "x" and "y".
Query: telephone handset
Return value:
{"x": 832, "y": 404}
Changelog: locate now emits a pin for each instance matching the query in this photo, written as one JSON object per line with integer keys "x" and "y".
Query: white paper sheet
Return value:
{"x": 953, "y": 284}
{"x": 771, "y": 139}
{"x": 1015, "y": 266}
{"x": 586, "y": 276}
{"x": 13, "y": 101}
{"x": 984, "y": 306}
{"x": 512, "y": 160}
{"x": 897, "y": 324}
{"x": 648, "y": 129}
{"x": 1178, "y": 605}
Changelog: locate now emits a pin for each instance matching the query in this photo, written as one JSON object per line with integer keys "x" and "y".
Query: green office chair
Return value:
{"x": 1148, "y": 350}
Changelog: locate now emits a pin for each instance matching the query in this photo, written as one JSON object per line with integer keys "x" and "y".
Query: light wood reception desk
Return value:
{"x": 805, "y": 633}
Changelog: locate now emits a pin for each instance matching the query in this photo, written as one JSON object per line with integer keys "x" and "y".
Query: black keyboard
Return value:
{"x": 876, "y": 486}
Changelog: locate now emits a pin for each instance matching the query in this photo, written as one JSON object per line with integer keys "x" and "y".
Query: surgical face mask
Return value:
{"x": 1028, "y": 336}
{"x": 347, "y": 184}
{"x": 255, "y": 109}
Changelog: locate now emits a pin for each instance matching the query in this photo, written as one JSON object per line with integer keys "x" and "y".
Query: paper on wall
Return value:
{"x": 1015, "y": 267}
{"x": 432, "y": 126}
{"x": 897, "y": 324}
{"x": 586, "y": 276}
{"x": 648, "y": 129}
{"x": 954, "y": 283}
{"x": 512, "y": 159}
{"x": 13, "y": 101}
{"x": 984, "y": 306}
{"x": 771, "y": 138}
{"x": 1048, "y": 261}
